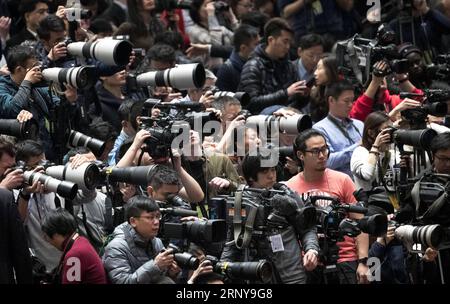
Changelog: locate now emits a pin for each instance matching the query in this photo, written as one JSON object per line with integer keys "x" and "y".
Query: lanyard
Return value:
{"x": 343, "y": 131}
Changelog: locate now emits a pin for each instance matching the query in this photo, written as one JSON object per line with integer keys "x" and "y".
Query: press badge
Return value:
{"x": 317, "y": 7}
{"x": 276, "y": 242}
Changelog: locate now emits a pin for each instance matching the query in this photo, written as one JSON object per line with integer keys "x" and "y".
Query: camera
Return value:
{"x": 221, "y": 6}
{"x": 195, "y": 231}
{"x": 253, "y": 271}
{"x": 86, "y": 176}
{"x": 184, "y": 259}
{"x": 76, "y": 13}
{"x": 22, "y": 130}
{"x": 420, "y": 139}
{"x": 64, "y": 188}
{"x": 83, "y": 77}
{"x": 292, "y": 124}
{"x": 182, "y": 77}
{"x": 140, "y": 175}
{"x": 428, "y": 236}
{"x": 108, "y": 51}
{"x": 169, "y": 5}
{"x": 78, "y": 139}
{"x": 243, "y": 97}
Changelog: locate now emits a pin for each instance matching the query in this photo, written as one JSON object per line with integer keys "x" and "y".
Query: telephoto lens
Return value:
{"x": 181, "y": 77}
{"x": 184, "y": 259}
{"x": 292, "y": 124}
{"x": 140, "y": 175}
{"x": 86, "y": 176}
{"x": 78, "y": 139}
{"x": 108, "y": 51}
{"x": 83, "y": 77}
{"x": 64, "y": 188}
{"x": 253, "y": 271}
{"x": 428, "y": 236}
{"x": 22, "y": 130}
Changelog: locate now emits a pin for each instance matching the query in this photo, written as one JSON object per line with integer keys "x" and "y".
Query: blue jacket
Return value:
{"x": 393, "y": 264}
{"x": 229, "y": 74}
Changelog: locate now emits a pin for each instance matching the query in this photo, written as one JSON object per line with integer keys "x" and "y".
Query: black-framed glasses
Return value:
{"x": 316, "y": 152}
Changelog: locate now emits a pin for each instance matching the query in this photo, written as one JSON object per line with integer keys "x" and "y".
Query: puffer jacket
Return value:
{"x": 266, "y": 80}
{"x": 129, "y": 259}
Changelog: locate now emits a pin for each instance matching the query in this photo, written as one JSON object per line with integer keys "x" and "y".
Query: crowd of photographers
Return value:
{"x": 234, "y": 141}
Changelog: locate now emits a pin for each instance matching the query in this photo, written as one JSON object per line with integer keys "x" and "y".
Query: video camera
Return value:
{"x": 260, "y": 271}
{"x": 195, "y": 231}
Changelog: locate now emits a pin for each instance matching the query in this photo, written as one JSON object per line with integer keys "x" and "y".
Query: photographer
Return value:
{"x": 135, "y": 255}
{"x": 377, "y": 95}
{"x": 316, "y": 179}
{"x": 35, "y": 201}
{"x": 51, "y": 48}
{"x": 60, "y": 228}
{"x": 288, "y": 263}
{"x": 191, "y": 190}
{"x": 17, "y": 92}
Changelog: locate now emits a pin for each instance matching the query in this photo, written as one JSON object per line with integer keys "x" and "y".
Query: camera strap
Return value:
{"x": 242, "y": 239}
{"x": 343, "y": 131}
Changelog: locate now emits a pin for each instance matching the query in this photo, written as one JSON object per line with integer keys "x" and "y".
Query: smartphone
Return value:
{"x": 311, "y": 82}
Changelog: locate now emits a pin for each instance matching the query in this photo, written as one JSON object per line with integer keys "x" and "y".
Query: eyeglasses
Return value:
{"x": 443, "y": 159}
{"x": 316, "y": 152}
{"x": 314, "y": 56}
{"x": 151, "y": 218}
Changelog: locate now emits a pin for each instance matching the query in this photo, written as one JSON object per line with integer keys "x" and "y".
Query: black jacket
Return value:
{"x": 14, "y": 254}
{"x": 229, "y": 73}
{"x": 115, "y": 14}
{"x": 266, "y": 80}
{"x": 22, "y": 36}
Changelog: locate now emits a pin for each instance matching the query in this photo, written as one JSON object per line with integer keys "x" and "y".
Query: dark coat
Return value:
{"x": 229, "y": 73}
{"x": 266, "y": 80}
{"x": 14, "y": 254}
{"x": 22, "y": 36}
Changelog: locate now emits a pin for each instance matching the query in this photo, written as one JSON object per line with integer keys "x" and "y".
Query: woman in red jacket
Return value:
{"x": 377, "y": 93}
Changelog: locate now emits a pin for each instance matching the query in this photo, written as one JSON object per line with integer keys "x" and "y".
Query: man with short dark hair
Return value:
{"x": 269, "y": 77}
{"x": 51, "y": 48}
{"x": 312, "y": 150}
{"x": 60, "y": 228}
{"x": 33, "y": 11}
{"x": 245, "y": 40}
{"x": 343, "y": 134}
{"x": 309, "y": 51}
{"x": 161, "y": 57}
{"x": 136, "y": 255}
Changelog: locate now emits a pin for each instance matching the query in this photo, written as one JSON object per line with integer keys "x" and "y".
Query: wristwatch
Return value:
{"x": 363, "y": 261}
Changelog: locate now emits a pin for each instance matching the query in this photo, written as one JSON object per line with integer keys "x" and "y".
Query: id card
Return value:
{"x": 317, "y": 7}
{"x": 276, "y": 242}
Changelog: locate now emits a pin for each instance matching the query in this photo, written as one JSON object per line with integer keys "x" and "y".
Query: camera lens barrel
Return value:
{"x": 108, "y": 51}
{"x": 64, "y": 188}
{"x": 86, "y": 176}
{"x": 78, "y": 139}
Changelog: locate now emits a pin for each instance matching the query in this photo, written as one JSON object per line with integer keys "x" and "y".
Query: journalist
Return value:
{"x": 135, "y": 255}
{"x": 289, "y": 266}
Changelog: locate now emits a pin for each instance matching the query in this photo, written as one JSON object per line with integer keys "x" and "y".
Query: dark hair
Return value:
{"x": 129, "y": 110}
{"x": 309, "y": 41}
{"x": 164, "y": 176}
{"x": 206, "y": 278}
{"x": 251, "y": 166}
{"x": 222, "y": 101}
{"x": 134, "y": 16}
{"x": 243, "y": 35}
{"x": 27, "y": 6}
{"x": 100, "y": 25}
{"x": 335, "y": 89}
{"x": 6, "y": 146}
{"x": 172, "y": 38}
{"x": 102, "y": 130}
{"x": 255, "y": 19}
{"x": 300, "y": 140}
{"x": 373, "y": 122}
{"x": 162, "y": 53}
{"x": 194, "y": 12}
{"x": 440, "y": 142}
{"x": 275, "y": 26}
{"x": 51, "y": 23}
{"x": 18, "y": 56}
{"x": 59, "y": 221}
{"x": 138, "y": 204}
{"x": 27, "y": 149}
